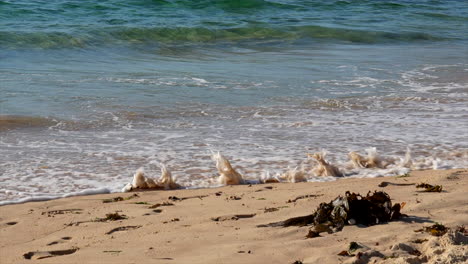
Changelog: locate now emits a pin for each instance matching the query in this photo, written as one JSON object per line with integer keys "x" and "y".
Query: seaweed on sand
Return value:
{"x": 436, "y": 229}
{"x": 430, "y": 188}
{"x": 112, "y": 217}
{"x": 120, "y": 198}
{"x": 352, "y": 208}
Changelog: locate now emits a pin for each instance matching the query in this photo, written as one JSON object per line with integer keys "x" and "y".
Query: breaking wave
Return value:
{"x": 201, "y": 35}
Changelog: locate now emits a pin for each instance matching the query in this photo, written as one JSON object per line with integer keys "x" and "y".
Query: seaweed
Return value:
{"x": 231, "y": 217}
{"x": 352, "y": 247}
{"x": 120, "y": 198}
{"x": 62, "y": 211}
{"x": 430, "y": 188}
{"x": 112, "y": 200}
{"x": 304, "y": 197}
{"x": 352, "y": 208}
{"x": 172, "y": 220}
{"x": 269, "y": 210}
{"x": 112, "y": 217}
{"x": 385, "y": 184}
{"x": 160, "y": 204}
{"x": 436, "y": 229}
{"x": 312, "y": 234}
{"x": 175, "y": 198}
{"x": 419, "y": 241}
{"x": 462, "y": 229}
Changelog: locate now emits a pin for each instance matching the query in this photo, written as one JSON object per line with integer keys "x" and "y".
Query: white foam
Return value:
{"x": 52, "y": 197}
{"x": 273, "y": 136}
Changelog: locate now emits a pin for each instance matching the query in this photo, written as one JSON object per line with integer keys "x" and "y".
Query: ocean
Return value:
{"x": 90, "y": 91}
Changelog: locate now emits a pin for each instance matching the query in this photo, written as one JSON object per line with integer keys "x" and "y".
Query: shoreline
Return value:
{"x": 66, "y": 231}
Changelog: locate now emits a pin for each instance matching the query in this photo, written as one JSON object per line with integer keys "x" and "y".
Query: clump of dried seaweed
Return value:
{"x": 111, "y": 217}
{"x": 120, "y": 198}
{"x": 436, "y": 229}
{"x": 352, "y": 208}
{"x": 430, "y": 188}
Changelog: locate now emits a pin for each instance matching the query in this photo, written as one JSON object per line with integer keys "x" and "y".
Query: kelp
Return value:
{"x": 111, "y": 217}
{"x": 352, "y": 208}
{"x": 353, "y": 246}
{"x": 462, "y": 229}
{"x": 436, "y": 229}
{"x": 120, "y": 198}
{"x": 385, "y": 184}
{"x": 430, "y": 188}
{"x": 304, "y": 197}
{"x": 161, "y": 204}
{"x": 419, "y": 241}
{"x": 177, "y": 199}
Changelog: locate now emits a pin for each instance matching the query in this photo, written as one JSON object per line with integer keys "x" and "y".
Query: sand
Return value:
{"x": 204, "y": 228}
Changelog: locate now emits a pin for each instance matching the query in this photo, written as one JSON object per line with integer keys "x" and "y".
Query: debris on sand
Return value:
{"x": 436, "y": 229}
{"x": 177, "y": 199}
{"x": 462, "y": 229}
{"x": 385, "y": 184}
{"x": 112, "y": 217}
{"x": 231, "y": 217}
{"x": 269, "y": 210}
{"x": 353, "y": 246}
{"x": 430, "y": 188}
{"x": 419, "y": 241}
{"x": 352, "y": 208}
{"x": 120, "y": 198}
{"x": 304, "y": 197}
{"x": 160, "y": 204}
{"x": 297, "y": 262}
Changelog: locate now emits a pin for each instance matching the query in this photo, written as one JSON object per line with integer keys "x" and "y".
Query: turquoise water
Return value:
{"x": 92, "y": 90}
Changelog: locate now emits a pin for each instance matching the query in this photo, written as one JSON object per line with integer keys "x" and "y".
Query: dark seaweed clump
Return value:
{"x": 352, "y": 208}
{"x": 430, "y": 188}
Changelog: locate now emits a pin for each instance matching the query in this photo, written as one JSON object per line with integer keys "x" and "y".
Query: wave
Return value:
{"x": 10, "y": 122}
{"x": 40, "y": 198}
{"x": 443, "y": 16}
{"x": 201, "y": 35}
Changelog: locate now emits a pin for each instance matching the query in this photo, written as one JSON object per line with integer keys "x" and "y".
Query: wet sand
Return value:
{"x": 219, "y": 225}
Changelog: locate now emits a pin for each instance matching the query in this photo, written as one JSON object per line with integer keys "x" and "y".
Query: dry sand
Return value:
{"x": 66, "y": 230}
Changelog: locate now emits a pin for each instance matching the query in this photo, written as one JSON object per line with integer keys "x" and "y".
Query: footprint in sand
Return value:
{"x": 62, "y": 211}
{"x": 122, "y": 228}
{"x": 231, "y": 217}
{"x": 62, "y": 240}
{"x": 48, "y": 254}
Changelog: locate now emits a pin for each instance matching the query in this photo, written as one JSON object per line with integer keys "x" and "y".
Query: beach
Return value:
{"x": 220, "y": 225}
{"x": 325, "y": 97}
{"x": 90, "y": 92}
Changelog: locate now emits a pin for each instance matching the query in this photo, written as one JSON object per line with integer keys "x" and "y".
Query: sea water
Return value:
{"x": 90, "y": 91}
